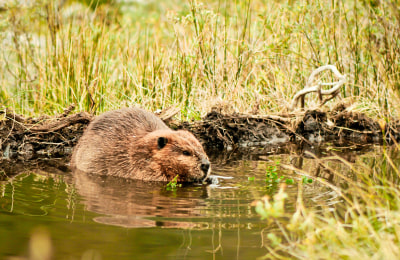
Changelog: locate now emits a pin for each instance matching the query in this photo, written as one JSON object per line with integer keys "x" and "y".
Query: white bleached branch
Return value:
{"x": 331, "y": 93}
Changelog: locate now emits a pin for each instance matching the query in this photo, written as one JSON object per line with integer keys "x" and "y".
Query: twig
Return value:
{"x": 68, "y": 110}
{"x": 12, "y": 115}
{"x": 82, "y": 117}
{"x": 168, "y": 113}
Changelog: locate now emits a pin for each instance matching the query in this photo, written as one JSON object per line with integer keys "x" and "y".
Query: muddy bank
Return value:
{"x": 51, "y": 137}
{"x": 340, "y": 127}
{"x": 54, "y": 137}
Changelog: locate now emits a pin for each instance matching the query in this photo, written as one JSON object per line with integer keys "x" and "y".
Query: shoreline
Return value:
{"x": 25, "y": 139}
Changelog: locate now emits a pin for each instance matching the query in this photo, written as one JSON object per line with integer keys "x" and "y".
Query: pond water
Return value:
{"x": 46, "y": 211}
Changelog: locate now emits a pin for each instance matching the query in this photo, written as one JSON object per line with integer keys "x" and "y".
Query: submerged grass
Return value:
{"x": 245, "y": 55}
{"x": 364, "y": 226}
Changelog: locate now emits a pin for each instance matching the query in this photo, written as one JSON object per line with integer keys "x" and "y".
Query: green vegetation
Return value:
{"x": 241, "y": 55}
{"x": 360, "y": 223}
{"x": 173, "y": 184}
{"x": 307, "y": 180}
{"x": 272, "y": 174}
{"x": 273, "y": 180}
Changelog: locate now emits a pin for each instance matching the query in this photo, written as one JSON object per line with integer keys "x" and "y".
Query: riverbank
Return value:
{"x": 54, "y": 137}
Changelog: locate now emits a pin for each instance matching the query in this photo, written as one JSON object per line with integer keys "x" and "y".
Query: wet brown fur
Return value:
{"x": 125, "y": 143}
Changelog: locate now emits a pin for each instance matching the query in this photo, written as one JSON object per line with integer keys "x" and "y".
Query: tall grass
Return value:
{"x": 196, "y": 55}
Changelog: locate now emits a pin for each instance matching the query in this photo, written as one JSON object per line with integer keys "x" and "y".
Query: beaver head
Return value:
{"x": 163, "y": 154}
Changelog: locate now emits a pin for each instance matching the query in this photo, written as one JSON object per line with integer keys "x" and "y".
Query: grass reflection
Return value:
{"x": 364, "y": 226}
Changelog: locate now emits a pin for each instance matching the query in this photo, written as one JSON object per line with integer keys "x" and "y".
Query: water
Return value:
{"x": 89, "y": 217}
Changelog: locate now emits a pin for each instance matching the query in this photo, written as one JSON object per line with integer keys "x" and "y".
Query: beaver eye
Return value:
{"x": 187, "y": 153}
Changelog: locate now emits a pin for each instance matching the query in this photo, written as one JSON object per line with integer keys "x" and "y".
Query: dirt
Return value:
{"x": 218, "y": 130}
{"x": 339, "y": 126}
{"x": 26, "y": 139}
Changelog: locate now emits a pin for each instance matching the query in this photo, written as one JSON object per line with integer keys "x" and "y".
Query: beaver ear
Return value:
{"x": 161, "y": 142}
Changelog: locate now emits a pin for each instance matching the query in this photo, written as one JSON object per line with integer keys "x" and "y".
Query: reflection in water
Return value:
{"x": 131, "y": 203}
{"x": 134, "y": 204}
{"x": 84, "y": 213}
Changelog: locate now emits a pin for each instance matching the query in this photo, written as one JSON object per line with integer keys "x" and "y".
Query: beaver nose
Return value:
{"x": 205, "y": 165}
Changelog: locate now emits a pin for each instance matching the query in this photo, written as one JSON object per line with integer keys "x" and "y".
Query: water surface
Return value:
{"x": 94, "y": 217}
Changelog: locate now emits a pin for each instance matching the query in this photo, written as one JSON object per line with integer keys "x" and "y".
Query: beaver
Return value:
{"x": 135, "y": 144}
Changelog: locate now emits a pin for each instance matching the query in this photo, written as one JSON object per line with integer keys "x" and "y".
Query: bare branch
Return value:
{"x": 62, "y": 122}
{"x": 312, "y": 87}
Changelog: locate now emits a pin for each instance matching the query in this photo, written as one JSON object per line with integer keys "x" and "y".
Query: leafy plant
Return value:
{"x": 173, "y": 184}
{"x": 307, "y": 180}
{"x": 273, "y": 179}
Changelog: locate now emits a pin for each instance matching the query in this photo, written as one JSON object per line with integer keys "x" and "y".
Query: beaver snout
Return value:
{"x": 205, "y": 167}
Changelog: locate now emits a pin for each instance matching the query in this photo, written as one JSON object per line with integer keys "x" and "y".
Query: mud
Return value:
{"x": 340, "y": 127}
{"x": 27, "y": 139}
{"x": 48, "y": 137}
